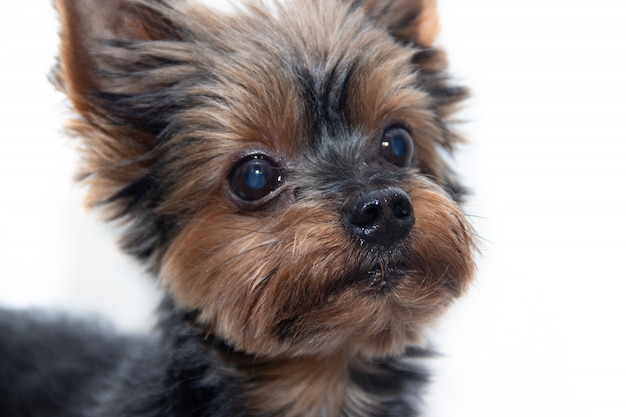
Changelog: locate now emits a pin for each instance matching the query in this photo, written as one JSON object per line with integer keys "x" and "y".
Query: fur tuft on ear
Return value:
{"x": 415, "y": 21}
{"x": 87, "y": 27}
{"x": 428, "y": 22}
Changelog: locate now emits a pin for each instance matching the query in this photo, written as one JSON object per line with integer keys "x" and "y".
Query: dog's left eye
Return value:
{"x": 255, "y": 177}
{"x": 397, "y": 146}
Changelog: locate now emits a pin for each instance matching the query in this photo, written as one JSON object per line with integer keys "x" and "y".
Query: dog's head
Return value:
{"x": 279, "y": 168}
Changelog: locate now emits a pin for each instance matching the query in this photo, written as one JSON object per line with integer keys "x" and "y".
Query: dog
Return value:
{"x": 280, "y": 169}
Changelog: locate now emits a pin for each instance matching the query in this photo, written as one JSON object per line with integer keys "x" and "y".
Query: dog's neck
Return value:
{"x": 302, "y": 387}
{"x": 339, "y": 385}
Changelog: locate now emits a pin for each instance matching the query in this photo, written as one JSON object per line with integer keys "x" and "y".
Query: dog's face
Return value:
{"x": 280, "y": 170}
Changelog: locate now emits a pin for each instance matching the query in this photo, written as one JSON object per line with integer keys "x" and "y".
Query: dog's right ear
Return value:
{"x": 407, "y": 20}
{"x": 127, "y": 66}
{"x": 88, "y": 27}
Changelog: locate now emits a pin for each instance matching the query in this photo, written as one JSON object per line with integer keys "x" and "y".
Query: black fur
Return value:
{"x": 325, "y": 92}
{"x": 53, "y": 366}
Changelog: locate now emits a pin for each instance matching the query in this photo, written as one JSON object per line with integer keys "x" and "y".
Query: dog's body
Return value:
{"x": 280, "y": 173}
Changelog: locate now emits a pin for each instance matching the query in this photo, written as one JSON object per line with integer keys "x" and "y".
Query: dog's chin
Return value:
{"x": 377, "y": 312}
{"x": 381, "y": 279}
{"x": 351, "y": 339}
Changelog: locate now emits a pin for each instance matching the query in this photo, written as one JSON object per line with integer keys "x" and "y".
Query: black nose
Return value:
{"x": 381, "y": 217}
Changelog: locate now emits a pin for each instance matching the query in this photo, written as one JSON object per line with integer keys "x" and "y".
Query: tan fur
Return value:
{"x": 428, "y": 26}
{"x": 306, "y": 387}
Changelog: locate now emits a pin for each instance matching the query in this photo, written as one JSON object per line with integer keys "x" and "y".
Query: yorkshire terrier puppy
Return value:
{"x": 281, "y": 171}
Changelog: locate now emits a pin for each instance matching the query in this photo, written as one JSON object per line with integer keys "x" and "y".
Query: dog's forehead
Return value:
{"x": 290, "y": 84}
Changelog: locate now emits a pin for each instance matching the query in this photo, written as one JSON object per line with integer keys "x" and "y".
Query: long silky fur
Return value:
{"x": 268, "y": 310}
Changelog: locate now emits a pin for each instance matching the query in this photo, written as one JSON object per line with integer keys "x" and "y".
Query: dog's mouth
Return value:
{"x": 382, "y": 276}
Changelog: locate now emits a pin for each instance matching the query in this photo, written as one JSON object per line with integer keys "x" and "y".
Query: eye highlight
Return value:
{"x": 397, "y": 146}
{"x": 255, "y": 177}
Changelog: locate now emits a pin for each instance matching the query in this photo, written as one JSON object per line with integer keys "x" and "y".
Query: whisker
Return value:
{"x": 250, "y": 231}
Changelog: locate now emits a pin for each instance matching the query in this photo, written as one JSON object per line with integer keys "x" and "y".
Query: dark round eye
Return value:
{"x": 397, "y": 146}
{"x": 255, "y": 177}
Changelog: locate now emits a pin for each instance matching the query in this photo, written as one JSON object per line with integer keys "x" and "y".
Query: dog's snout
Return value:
{"x": 380, "y": 217}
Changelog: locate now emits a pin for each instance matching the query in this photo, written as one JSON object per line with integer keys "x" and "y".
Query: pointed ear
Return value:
{"x": 408, "y": 20}
{"x": 122, "y": 63}
{"x": 86, "y": 27}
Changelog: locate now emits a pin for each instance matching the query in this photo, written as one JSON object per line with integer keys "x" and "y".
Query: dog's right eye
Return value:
{"x": 255, "y": 177}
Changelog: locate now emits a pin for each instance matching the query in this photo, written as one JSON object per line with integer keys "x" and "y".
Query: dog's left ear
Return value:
{"x": 407, "y": 20}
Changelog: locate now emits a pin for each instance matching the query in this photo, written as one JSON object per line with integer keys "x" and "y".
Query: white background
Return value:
{"x": 541, "y": 332}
